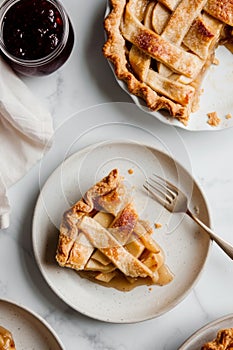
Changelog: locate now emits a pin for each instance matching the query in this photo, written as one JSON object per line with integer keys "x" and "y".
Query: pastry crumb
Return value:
{"x": 158, "y": 225}
{"x": 228, "y": 116}
{"x": 130, "y": 171}
{"x": 213, "y": 120}
{"x": 216, "y": 61}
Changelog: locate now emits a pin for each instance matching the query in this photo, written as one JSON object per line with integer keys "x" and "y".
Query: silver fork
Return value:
{"x": 174, "y": 200}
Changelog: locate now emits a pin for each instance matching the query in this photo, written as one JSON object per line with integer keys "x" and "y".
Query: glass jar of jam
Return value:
{"x": 36, "y": 36}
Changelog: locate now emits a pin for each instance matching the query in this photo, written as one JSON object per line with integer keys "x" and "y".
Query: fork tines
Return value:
{"x": 160, "y": 189}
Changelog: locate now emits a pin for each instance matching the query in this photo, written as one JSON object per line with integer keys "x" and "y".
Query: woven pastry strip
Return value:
{"x": 101, "y": 234}
{"x": 109, "y": 246}
{"x": 162, "y": 49}
{"x": 158, "y": 48}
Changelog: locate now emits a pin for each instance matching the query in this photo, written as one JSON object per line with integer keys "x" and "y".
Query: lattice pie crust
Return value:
{"x": 162, "y": 49}
{"x": 102, "y": 236}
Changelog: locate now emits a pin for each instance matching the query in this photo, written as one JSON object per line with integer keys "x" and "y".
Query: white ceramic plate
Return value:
{"x": 186, "y": 248}
{"x": 29, "y": 330}
{"x": 217, "y": 95}
{"x": 207, "y": 333}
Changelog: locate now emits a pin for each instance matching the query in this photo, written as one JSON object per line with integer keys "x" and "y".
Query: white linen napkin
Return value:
{"x": 26, "y": 130}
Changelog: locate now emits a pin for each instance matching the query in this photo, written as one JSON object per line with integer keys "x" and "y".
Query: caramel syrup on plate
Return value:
{"x": 120, "y": 283}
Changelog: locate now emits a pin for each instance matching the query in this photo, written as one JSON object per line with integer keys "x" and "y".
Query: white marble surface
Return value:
{"x": 85, "y": 81}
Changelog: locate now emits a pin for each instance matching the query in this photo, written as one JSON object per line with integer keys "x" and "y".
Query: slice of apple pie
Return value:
{"x": 102, "y": 237}
{"x": 163, "y": 48}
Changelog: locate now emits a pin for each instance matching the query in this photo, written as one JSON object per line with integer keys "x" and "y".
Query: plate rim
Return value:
{"x": 202, "y": 329}
{"x": 58, "y": 293}
{"x": 35, "y": 315}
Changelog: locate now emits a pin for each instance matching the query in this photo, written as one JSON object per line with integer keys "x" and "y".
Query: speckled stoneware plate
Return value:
{"x": 216, "y": 97}
{"x": 207, "y": 333}
{"x": 29, "y": 330}
{"x": 185, "y": 246}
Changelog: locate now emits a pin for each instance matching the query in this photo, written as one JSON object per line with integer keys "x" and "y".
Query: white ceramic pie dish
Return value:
{"x": 185, "y": 246}
{"x": 216, "y": 97}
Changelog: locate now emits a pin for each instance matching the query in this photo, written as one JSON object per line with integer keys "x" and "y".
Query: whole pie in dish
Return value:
{"x": 162, "y": 49}
{"x": 6, "y": 339}
{"x": 102, "y": 237}
{"x": 223, "y": 341}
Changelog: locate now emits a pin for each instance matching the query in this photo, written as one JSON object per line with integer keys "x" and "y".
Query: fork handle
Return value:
{"x": 227, "y": 247}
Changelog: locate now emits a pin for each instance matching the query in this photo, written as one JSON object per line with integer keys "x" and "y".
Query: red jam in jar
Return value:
{"x": 36, "y": 35}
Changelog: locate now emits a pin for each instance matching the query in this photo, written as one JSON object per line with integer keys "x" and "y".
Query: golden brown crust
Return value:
{"x": 116, "y": 44}
{"x": 222, "y": 10}
{"x": 110, "y": 247}
{"x": 223, "y": 341}
{"x": 101, "y": 236}
{"x": 6, "y": 339}
{"x": 176, "y": 37}
{"x": 67, "y": 245}
{"x": 124, "y": 224}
